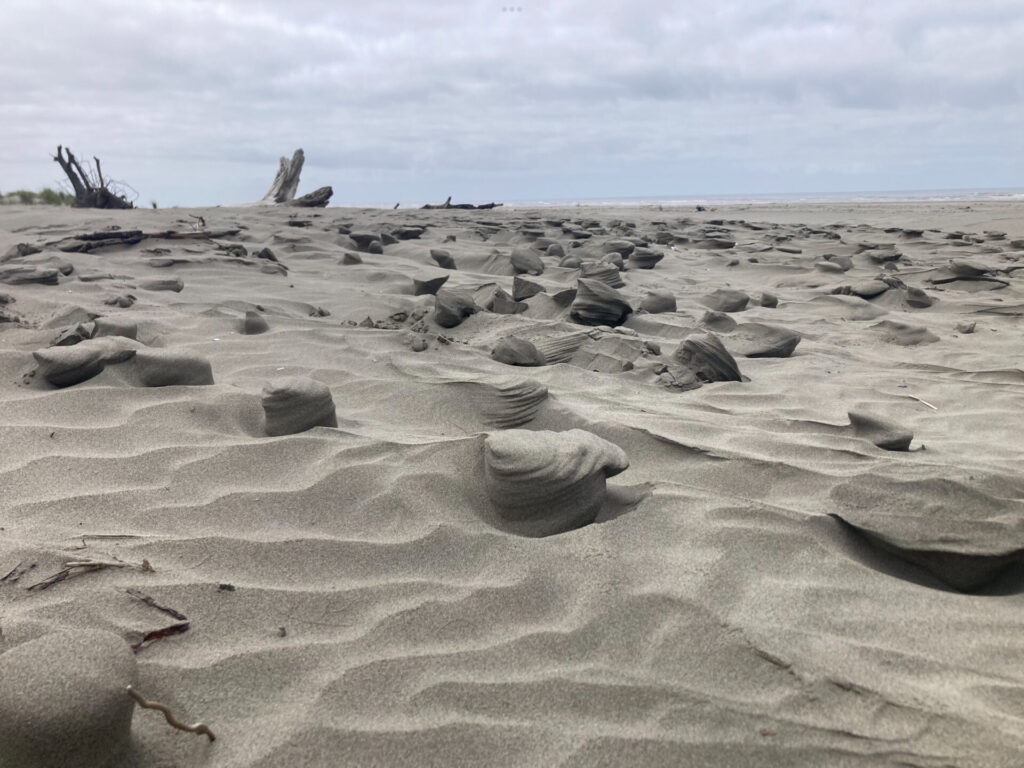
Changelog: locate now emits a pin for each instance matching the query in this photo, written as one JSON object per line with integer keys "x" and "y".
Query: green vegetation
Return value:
{"x": 46, "y": 196}
{"x": 55, "y": 197}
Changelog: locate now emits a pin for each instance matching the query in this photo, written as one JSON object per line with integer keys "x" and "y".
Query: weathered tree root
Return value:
{"x": 91, "y": 191}
{"x": 175, "y": 722}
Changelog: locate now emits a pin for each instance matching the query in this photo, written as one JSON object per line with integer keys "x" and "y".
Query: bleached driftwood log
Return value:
{"x": 282, "y": 191}
{"x": 287, "y": 179}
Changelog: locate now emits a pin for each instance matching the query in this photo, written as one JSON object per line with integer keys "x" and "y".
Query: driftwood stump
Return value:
{"x": 282, "y": 191}
{"x": 91, "y": 191}
{"x": 287, "y": 179}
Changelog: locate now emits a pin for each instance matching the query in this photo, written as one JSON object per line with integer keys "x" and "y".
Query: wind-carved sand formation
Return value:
{"x": 555, "y": 487}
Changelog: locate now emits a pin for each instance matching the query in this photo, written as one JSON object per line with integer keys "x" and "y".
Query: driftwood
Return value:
{"x": 316, "y": 199}
{"x": 287, "y": 179}
{"x": 91, "y": 191}
{"x": 205, "y": 234}
{"x": 448, "y": 204}
{"x": 282, "y": 191}
{"x": 92, "y": 241}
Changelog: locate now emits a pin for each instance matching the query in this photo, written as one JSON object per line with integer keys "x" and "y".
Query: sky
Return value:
{"x": 192, "y": 102}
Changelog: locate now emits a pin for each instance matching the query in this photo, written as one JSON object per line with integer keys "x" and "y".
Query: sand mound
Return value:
{"x": 63, "y": 700}
{"x": 542, "y": 483}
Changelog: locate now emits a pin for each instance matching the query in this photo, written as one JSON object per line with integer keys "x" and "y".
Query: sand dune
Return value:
{"x": 271, "y": 433}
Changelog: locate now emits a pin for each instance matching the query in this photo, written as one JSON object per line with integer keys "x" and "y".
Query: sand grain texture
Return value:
{"x": 763, "y": 585}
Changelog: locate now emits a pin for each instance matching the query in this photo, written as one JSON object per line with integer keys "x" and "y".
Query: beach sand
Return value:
{"x": 404, "y": 582}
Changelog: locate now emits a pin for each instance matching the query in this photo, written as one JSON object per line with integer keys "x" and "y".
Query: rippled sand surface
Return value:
{"x": 763, "y": 585}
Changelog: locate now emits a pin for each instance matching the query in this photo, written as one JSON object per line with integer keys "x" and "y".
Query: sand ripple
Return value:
{"x": 745, "y": 573}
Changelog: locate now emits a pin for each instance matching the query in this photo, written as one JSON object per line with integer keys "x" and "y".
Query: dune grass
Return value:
{"x": 45, "y": 196}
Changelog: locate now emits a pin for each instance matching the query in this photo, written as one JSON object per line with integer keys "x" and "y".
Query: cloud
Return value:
{"x": 194, "y": 101}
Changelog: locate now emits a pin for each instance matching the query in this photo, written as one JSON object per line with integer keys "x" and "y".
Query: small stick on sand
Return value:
{"x": 923, "y": 402}
{"x": 17, "y": 572}
{"x": 85, "y": 536}
{"x": 175, "y": 722}
{"x": 154, "y": 604}
{"x": 202, "y": 234}
{"x": 78, "y": 567}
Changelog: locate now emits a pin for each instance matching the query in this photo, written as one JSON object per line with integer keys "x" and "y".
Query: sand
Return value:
{"x": 778, "y": 578}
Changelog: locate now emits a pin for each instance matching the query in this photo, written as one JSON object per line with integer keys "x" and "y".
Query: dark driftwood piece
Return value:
{"x": 92, "y": 241}
{"x": 315, "y": 199}
{"x": 91, "y": 191}
{"x": 206, "y": 234}
{"x": 448, "y": 204}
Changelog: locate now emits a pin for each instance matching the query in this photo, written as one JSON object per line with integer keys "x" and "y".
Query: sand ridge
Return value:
{"x": 769, "y": 582}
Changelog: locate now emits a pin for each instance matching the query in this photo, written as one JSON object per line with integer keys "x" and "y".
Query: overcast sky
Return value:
{"x": 193, "y": 101}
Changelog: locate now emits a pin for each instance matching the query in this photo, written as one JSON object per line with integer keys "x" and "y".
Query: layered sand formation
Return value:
{"x": 555, "y": 487}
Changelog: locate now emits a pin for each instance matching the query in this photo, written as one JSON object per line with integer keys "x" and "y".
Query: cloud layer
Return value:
{"x": 192, "y": 102}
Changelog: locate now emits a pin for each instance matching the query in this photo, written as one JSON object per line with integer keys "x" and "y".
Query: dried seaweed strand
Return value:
{"x": 157, "y": 634}
{"x": 169, "y": 716}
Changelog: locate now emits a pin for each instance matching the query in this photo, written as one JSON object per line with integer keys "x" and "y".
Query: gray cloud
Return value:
{"x": 193, "y": 101}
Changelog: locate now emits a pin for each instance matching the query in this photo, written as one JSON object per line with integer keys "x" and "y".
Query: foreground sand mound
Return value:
{"x": 166, "y": 368}
{"x": 296, "y": 404}
{"x": 544, "y": 483}
{"x": 67, "y": 366}
{"x": 882, "y": 432}
{"x": 63, "y": 701}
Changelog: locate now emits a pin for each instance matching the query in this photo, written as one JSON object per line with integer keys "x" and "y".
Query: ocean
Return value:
{"x": 895, "y": 196}
{"x": 691, "y": 200}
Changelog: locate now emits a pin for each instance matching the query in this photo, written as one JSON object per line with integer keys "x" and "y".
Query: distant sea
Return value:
{"x": 897, "y": 196}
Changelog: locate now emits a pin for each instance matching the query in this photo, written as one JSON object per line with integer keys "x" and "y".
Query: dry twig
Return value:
{"x": 154, "y": 604}
{"x": 85, "y": 536}
{"x": 78, "y": 567}
{"x": 175, "y": 722}
{"x": 17, "y": 572}
{"x": 923, "y": 402}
